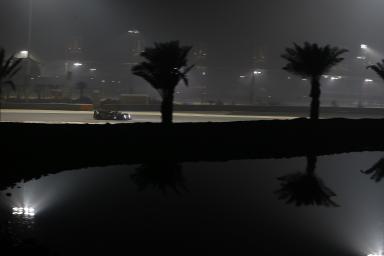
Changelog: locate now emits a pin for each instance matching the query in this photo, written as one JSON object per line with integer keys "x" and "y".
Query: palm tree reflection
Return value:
{"x": 160, "y": 176}
{"x": 377, "y": 170}
{"x": 303, "y": 189}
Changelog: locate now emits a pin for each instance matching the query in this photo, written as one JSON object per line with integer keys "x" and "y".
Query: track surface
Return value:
{"x": 55, "y": 116}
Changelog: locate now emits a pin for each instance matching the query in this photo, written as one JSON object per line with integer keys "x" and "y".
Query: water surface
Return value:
{"x": 235, "y": 206}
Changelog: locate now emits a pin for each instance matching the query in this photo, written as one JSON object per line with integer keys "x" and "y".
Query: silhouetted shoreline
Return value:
{"x": 33, "y": 150}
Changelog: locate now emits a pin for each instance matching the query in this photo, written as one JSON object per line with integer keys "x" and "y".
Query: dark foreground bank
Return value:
{"x": 32, "y": 150}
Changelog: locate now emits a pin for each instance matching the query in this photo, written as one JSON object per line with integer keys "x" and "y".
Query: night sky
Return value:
{"x": 229, "y": 30}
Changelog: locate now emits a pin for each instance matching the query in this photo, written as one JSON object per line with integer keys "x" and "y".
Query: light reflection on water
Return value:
{"x": 227, "y": 205}
{"x": 25, "y": 211}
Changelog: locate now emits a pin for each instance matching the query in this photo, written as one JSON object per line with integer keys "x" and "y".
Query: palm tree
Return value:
{"x": 305, "y": 188}
{"x": 8, "y": 69}
{"x": 378, "y": 68}
{"x": 312, "y": 61}
{"x": 165, "y": 66}
{"x": 377, "y": 170}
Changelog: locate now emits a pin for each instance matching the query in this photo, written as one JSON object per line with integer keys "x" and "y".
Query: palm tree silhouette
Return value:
{"x": 8, "y": 69}
{"x": 312, "y": 61}
{"x": 161, "y": 176}
{"x": 377, "y": 170}
{"x": 305, "y": 188}
{"x": 165, "y": 65}
{"x": 378, "y": 68}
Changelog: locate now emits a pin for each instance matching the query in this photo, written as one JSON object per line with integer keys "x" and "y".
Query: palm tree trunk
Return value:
{"x": 1, "y": 98}
{"x": 315, "y": 96}
{"x": 311, "y": 164}
{"x": 167, "y": 106}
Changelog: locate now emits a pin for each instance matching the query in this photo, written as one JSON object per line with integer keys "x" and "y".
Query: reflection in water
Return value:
{"x": 305, "y": 188}
{"x": 17, "y": 234}
{"x": 160, "y": 175}
{"x": 230, "y": 206}
{"x": 18, "y": 230}
{"x": 26, "y": 211}
{"x": 377, "y": 170}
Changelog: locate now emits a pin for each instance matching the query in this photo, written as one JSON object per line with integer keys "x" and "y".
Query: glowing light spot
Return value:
{"x": 134, "y": 31}
{"x": 336, "y": 77}
{"x": 22, "y": 55}
{"x": 26, "y": 211}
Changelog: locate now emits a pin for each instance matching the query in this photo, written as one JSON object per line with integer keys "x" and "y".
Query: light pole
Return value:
{"x": 204, "y": 90}
{"x": 135, "y": 50}
{"x": 253, "y": 85}
{"x": 368, "y": 54}
{"x": 28, "y": 51}
{"x": 29, "y": 40}
{"x": 69, "y": 70}
{"x": 365, "y": 60}
{"x": 364, "y": 49}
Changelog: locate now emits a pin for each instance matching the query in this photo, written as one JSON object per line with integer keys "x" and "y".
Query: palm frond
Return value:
{"x": 147, "y": 72}
{"x": 376, "y": 171}
{"x": 165, "y": 65}
{"x": 303, "y": 189}
{"x": 378, "y": 68}
{"x": 8, "y": 68}
{"x": 311, "y": 60}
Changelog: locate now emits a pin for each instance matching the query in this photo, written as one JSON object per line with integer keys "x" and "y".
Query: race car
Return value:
{"x": 111, "y": 115}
